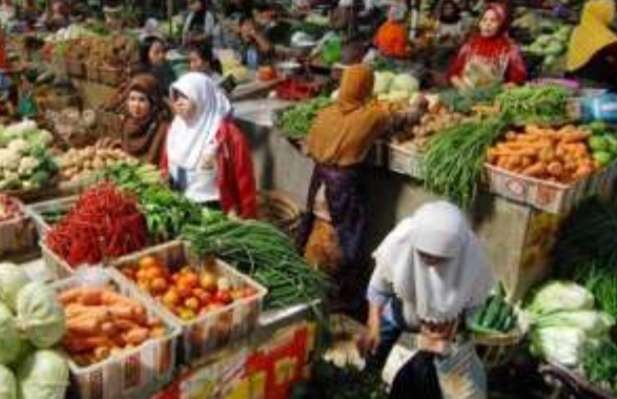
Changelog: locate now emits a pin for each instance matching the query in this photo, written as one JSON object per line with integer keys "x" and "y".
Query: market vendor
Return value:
{"x": 256, "y": 49}
{"x": 200, "y": 25}
{"x": 152, "y": 58}
{"x": 592, "y": 53}
{"x": 202, "y": 59}
{"x": 489, "y": 56}
{"x": 391, "y": 38}
{"x": 430, "y": 274}
{"x": 58, "y": 17}
{"x": 332, "y": 231}
{"x": 451, "y": 26}
{"x": 209, "y": 159}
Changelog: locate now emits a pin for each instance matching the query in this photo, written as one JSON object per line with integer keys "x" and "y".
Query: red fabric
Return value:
{"x": 236, "y": 179}
{"x": 391, "y": 39}
{"x": 3, "y": 60}
{"x": 492, "y": 48}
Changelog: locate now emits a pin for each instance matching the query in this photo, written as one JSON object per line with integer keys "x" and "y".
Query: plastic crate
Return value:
{"x": 134, "y": 373}
{"x": 404, "y": 160}
{"x": 210, "y": 332}
{"x": 57, "y": 267}
{"x": 545, "y": 195}
{"x": 36, "y": 211}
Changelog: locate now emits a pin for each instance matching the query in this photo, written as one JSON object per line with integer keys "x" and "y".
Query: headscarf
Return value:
{"x": 441, "y": 293}
{"x": 145, "y": 137}
{"x": 356, "y": 88}
{"x": 592, "y": 34}
{"x": 187, "y": 139}
{"x": 343, "y": 133}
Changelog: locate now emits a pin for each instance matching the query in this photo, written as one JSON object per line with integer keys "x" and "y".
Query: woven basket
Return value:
{"x": 497, "y": 349}
{"x": 278, "y": 209}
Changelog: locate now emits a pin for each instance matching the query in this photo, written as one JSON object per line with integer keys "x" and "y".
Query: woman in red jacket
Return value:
{"x": 490, "y": 56}
{"x": 208, "y": 157}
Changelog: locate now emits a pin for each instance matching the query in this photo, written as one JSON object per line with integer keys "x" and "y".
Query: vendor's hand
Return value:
{"x": 369, "y": 341}
{"x": 431, "y": 344}
{"x": 440, "y": 331}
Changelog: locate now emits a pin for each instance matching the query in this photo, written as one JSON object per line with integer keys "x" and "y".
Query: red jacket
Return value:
{"x": 236, "y": 180}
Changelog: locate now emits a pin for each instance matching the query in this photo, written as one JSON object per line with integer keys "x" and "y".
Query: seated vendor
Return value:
{"x": 255, "y": 49}
{"x": 592, "y": 53}
{"x": 489, "y": 56}
{"x": 152, "y": 58}
{"x": 200, "y": 25}
{"x": 391, "y": 38}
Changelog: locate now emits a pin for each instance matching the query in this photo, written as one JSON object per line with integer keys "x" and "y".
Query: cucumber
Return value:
{"x": 492, "y": 312}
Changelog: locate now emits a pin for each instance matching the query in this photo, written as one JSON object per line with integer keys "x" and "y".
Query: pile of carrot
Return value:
{"x": 101, "y": 322}
{"x": 558, "y": 155}
{"x": 105, "y": 222}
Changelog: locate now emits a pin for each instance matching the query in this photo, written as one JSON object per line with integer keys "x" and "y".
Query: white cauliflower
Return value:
{"x": 20, "y": 128}
{"x": 19, "y": 146}
{"x": 43, "y": 137}
{"x": 27, "y": 165}
{"x": 9, "y": 159}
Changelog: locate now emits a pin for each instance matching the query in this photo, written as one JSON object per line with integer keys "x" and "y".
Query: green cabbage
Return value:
{"x": 560, "y": 295}
{"x": 12, "y": 279}
{"x": 10, "y": 344}
{"x": 405, "y": 82}
{"x": 8, "y": 385}
{"x": 562, "y": 345}
{"x": 383, "y": 80}
{"x": 43, "y": 375}
{"x": 39, "y": 315}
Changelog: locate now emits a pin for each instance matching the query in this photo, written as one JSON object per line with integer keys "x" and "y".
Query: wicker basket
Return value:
{"x": 278, "y": 209}
{"x": 496, "y": 349}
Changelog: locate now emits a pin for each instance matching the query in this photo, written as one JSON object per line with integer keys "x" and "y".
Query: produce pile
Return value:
{"x": 465, "y": 101}
{"x": 32, "y": 323}
{"x": 25, "y": 162}
{"x": 566, "y": 327}
{"x": 454, "y": 160}
{"x": 296, "y": 122}
{"x": 495, "y": 316}
{"x": 9, "y": 209}
{"x": 558, "y": 155}
{"x": 391, "y": 87}
{"x": 100, "y": 322}
{"x": 551, "y": 46}
{"x": 188, "y": 293}
{"x": 105, "y": 222}
{"x": 77, "y": 164}
{"x": 534, "y": 104}
{"x": 603, "y": 142}
{"x": 114, "y": 51}
{"x": 295, "y": 89}
{"x": 262, "y": 252}
{"x": 437, "y": 118}
{"x": 74, "y": 127}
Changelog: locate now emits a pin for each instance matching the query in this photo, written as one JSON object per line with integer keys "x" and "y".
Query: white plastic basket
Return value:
{"x": 208, "y": 333}
{"x": 134, "y": 373}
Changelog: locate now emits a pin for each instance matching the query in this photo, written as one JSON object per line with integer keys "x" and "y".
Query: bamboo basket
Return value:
{"x": 277, "y": 208}
{"x": 497, "y": 349}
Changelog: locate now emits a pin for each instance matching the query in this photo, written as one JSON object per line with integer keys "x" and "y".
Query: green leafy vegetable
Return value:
{"x": 534, "y": 104}
{"x": 296, "y": 122}
{"x": 8, "y": 384}
{"x": 600, "y": 365}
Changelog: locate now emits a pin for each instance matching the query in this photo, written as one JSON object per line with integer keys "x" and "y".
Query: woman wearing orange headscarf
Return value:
{"x": 332, "y": 231}
{"x": 391, "y": 38}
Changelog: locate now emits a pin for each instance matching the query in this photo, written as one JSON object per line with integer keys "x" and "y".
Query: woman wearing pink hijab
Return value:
{"x": 490, "y": 51}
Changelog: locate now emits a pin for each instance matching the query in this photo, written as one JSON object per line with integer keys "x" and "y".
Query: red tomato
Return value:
{"x": 148, "y": 261}
{"x": 223, "y": 297}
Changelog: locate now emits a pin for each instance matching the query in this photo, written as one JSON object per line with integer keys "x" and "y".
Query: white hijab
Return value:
{"x": 439, "y": 293}
{"x": 187, "y": 140}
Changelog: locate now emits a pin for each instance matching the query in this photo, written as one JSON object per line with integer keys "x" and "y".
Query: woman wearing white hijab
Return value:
{"x": 430, "y": 272}
{"x": 208, "y": 157}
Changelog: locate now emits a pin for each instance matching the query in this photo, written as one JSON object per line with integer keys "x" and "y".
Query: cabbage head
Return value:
{"x": 43, "y": 375}
{"x": 8, "y": 384}
{"x": 40, "y": 316}
{"x": 560, "y": 295}
{"x": 10, "y": 343}
{"x": 12, "y": 279}
{"x": 561, "y": 345}
{"x": 405, "y": 82}
{"x": 383, "y": 80}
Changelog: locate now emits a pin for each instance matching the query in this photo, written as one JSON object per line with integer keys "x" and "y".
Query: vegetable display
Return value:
{"x": 132, "y": 177}
{"x": 76, "y": 128}
{"x": 534, "y": 104}
{"x": 465, "y": 101}
{"x": 600, "y": 365}
{"x": 12, "y": 279}
{"x": 25, "y": 162}
{"x": 564, "y": 323}
{"x": 43, "y": 375}
{"x": 104, "y": 222}
{"x": 551, "y": 46}
{"x": 297, "y": 90}
{"x": 39, "y": 315}
{"x": 454, "y": 160}
{"x": 188, "y": 293}
{"x": 559, "y": 155}
{"x": 262, "y": 252}
{"x": 603, "y": 143}
{"x": 437, "y": 118}
{"x": 392, "y": 87}
{"x": 100, "y": 322}
{"x": 296, "y": 122}
{"x": 78, "y": 164}
{"x": 496, "y": 316}
{"x": 8, "y": 208}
